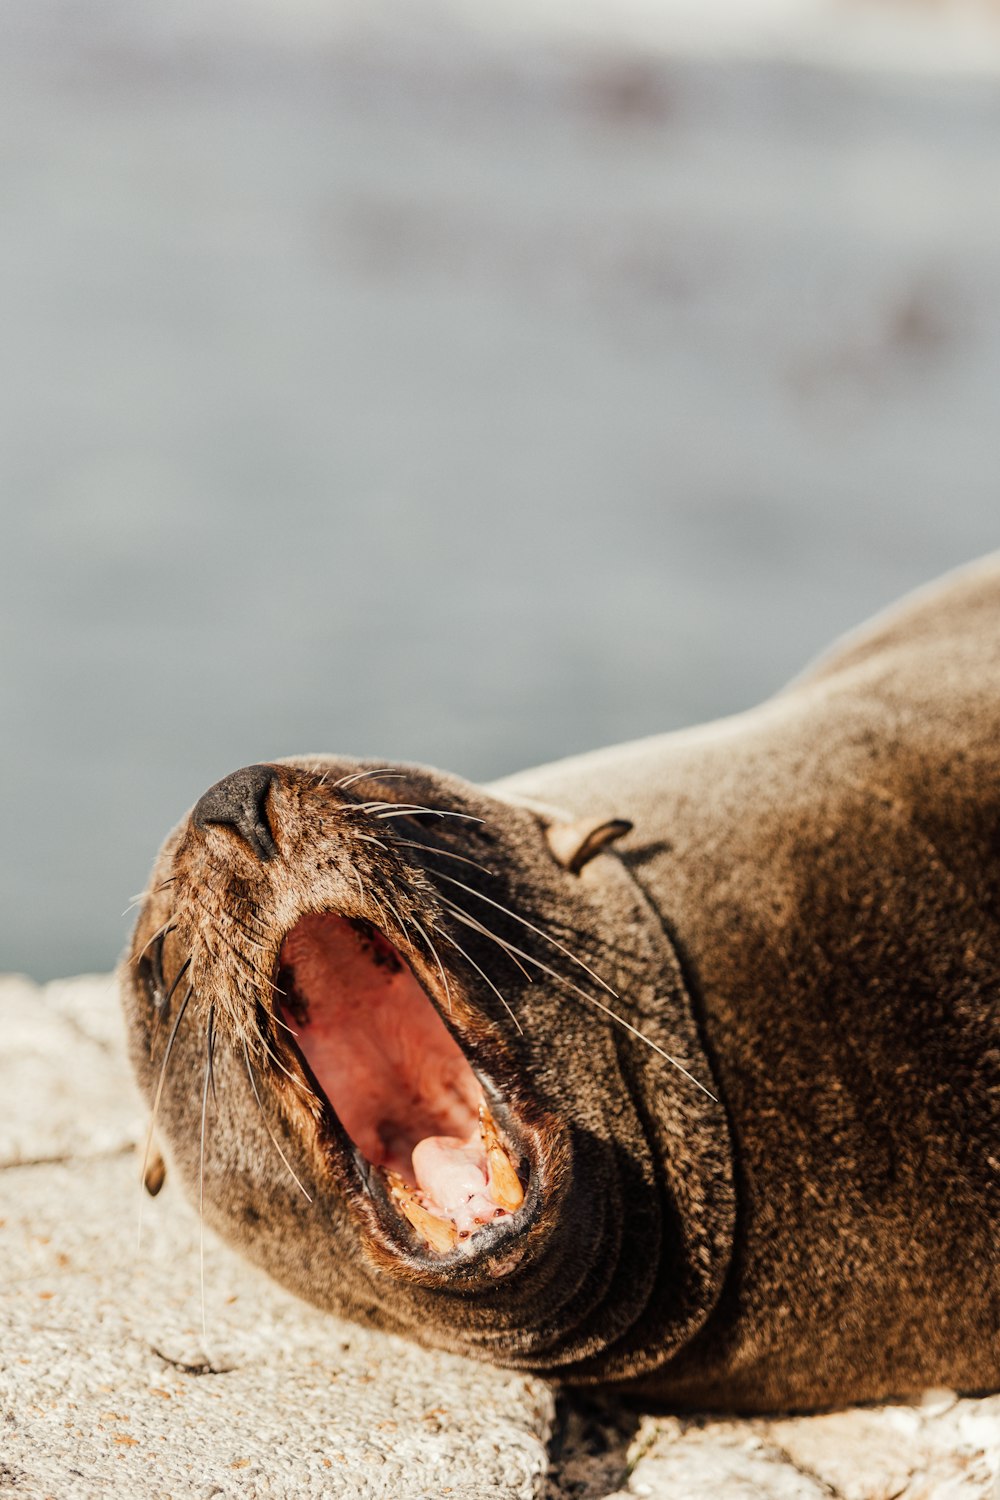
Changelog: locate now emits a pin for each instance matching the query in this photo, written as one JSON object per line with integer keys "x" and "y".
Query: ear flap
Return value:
{"x": 573, "y": 844}
{"x": 155, "y": 1174}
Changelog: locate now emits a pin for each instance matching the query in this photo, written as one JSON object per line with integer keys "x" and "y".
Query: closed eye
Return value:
{"x": 151, "y": 973}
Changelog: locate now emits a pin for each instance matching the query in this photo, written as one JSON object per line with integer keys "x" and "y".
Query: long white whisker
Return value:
{"x": 370, "y": 838}
{"x": 437, "y": 960}
{"x": 531, "y": 928}
{"x": 397, "y": 914}
{"x": 156, "y": 1103}
{"x": 621, "y": 1021}
{"x": 469, "y": 959}
{"x": 463, "y": 916}
{"x": 446, "y": 854}
{"x": 360, "y": 776}
{"x": 386, "y": 924}
{"x": 211, "y": 1052}
{"x": 407, "y": 811}
{"x": 201, "y": 1192}
{"x": 160, "y": 932}
{"x": 267, "y": 1126}
{"x": 279, "y": 1064}
{"x": 614, "y": 1016}
{"x": 284, "y": 1025}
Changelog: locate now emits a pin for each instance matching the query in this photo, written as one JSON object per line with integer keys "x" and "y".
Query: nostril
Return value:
{"x": 239, "y": 802}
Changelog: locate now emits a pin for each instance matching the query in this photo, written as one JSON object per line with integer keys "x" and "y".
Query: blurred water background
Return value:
{"x": 460, "y": 385}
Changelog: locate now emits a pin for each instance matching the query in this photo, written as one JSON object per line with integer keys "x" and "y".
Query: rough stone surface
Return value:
{"x": 946, "y": 1449}
{"x": 65, "y": 1092}
{"x": 108, "y": 1385}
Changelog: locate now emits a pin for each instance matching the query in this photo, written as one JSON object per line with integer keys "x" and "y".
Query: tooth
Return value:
{"x": 504, "y": 1182}
{"x": 505, "y": 1185}
{"x": 439, "y": 1234}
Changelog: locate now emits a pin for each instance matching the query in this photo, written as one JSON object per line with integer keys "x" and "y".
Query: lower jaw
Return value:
{"x": 445, "y": 1227}
{"x": 407, "y": 1234}
{"x": 530, "y": 1297}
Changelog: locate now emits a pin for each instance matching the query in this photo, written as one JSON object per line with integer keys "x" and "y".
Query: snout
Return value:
{"x": 239, "y": 802}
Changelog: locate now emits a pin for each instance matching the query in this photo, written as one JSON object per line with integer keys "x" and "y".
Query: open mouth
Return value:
{"x": 397, "y": 1080}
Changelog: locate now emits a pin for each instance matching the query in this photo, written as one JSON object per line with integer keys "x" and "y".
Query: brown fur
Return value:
{"x": 805, "y": 914}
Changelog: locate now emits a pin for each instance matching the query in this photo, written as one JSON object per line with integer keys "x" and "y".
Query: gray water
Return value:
{"x": 428, "y": 397}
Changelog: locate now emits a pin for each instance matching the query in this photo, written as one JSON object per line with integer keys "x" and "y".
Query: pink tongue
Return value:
{"x": 451, "y": 1174}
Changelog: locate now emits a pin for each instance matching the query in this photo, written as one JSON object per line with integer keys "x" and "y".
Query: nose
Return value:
{"x": 239, "y": 802}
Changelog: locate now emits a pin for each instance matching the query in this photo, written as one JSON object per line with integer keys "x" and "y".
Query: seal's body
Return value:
{"x": 678, "y": 1070}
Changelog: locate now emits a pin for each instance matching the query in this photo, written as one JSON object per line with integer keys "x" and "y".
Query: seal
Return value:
{"x": 672, "y": 1067}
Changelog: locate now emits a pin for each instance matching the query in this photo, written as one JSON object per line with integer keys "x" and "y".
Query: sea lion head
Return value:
{"x": 427, "y": 1056}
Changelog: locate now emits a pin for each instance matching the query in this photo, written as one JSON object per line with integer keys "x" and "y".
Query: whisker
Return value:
{"x": 397, "y": 914}
{"x": 437, "y": 960}
{"x": 177, "y": 979}
{"x": 221, "y": 934}
{"x": 546, "y": 937}
{"x": 408, "y": 811}
{"x": 446, "y": 854}
{"x": 156, "y": 1101}
{"x": 621, "y": 1021}
{"x": 614, "y": 1016}
{"x": 386, "y": 924}
{"x": 201, "y": 1194}
{"x": 249, "y": 921}
{"x": 168, "y": 926}
{"x": 267, "y": 1125}
{"x": 463, "y": 916}
{"x": 262, "y": 980}
{"x": 241, "y": 958}
{"x": 140, "y": 898}
{"x": 211, "y": 1052}
{"x": 302, "y": 1088}
{"x": 360, "y": 776}
{"x": 247, "y": 932}
{"x": 448, "y": 938}
{"x": 284, "y": 1024}
{"x": 162, "y": 1007}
